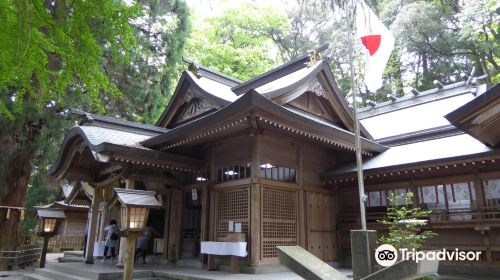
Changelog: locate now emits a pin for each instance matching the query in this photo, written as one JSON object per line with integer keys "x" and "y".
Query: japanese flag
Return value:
{"x": 378, "y": 42}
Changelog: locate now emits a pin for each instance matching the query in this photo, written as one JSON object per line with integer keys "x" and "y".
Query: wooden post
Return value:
{"x": 168, "y": 200}
{"x": 43, "y": 256}
{"x": 205, "y": 208}
{"x": 129, "y": 185}
{"x": 255, "y": 228}
{"x": 255, "y": 216}
{"x": 479, "y": 188}
{"x": 89, "y": 258}
{"x": 174, "y": 234}
{"x": 128, "y": 269}
{"x": 302, "y": 196}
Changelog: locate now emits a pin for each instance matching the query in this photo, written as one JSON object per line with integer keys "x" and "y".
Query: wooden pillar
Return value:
{"x": 255, "y": 225}
{"x": 168, "y": 198}
{"x": 174, "y": 234}
{"x": 103, "y": 209}
{"x": 479, "y": 189}
{"x": 96, "y": 200}
{"x": 128, "y": 269}
{"x": 211, "y": 197}
{"x": 129, "y": 185}
{"x": 302, "y": 197}
{"x": 416, "y": 197}
{"x": 205, "y": 208}
{"x": 255, "y": 206}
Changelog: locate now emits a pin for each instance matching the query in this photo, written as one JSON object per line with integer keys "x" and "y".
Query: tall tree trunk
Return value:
{"x": 18, "y": 155}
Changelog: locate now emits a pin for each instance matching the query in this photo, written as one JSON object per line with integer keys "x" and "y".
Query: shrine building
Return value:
{"x": 276, "y": 154}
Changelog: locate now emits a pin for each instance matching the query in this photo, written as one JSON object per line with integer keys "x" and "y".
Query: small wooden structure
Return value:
{"x": 276, "y": 154}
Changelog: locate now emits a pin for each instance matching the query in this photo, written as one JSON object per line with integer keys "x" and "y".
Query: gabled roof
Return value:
{"x": 61, "y": 205}
{"x": 276, "y": 73}
{"x": 480, "y": 117}
{"x": 108, "y": 137}
{"x": 301, "y": 76}
{"x": 215, "y": 92}
{"x": 255, "y": 102}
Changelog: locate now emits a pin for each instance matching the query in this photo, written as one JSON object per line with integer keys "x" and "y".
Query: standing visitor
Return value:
{"x": 112, "y": 236}
{"x": 143, "y": 242}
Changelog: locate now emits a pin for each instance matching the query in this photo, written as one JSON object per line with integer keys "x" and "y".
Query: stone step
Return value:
{"x": 32, "y": 276}
{"x": 88, "y": 274}
{"x": 58, "y": 275}
{"x": 70, "y": 259}
{"x": 73, "y": 254}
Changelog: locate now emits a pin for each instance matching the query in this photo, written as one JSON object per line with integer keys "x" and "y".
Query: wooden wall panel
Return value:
{"x": 279, "y": 151}
{"x": 315, "y": 161}
{"x": 321, "y": 226}
{"x": 234, "y": 150}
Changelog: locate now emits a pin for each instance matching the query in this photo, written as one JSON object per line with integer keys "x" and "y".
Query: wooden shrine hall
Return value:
{"x": 276, "y": 154}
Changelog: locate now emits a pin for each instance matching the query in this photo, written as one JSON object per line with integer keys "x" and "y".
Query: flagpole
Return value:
{"x": 357, "y": 140}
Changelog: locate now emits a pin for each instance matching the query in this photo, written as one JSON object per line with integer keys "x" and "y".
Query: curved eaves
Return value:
{"x": 67, "y": 150}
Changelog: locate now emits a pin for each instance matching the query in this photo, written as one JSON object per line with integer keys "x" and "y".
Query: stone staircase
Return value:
{"x": 65, "y": 272}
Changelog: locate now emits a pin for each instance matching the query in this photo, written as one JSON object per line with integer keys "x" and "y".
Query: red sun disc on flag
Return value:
{"x": 371, "y": 42}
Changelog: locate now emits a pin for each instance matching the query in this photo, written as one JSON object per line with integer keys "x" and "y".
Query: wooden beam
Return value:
{"x": 92, "y": 229}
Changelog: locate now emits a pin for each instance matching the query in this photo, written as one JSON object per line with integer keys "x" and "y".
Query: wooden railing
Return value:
{"x": 65, "y": 243}
{"x": 24, "y": 256}
{"x": 437, "y": 217}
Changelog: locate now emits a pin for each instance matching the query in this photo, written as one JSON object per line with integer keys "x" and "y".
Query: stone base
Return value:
{"x": 363, "y": 245}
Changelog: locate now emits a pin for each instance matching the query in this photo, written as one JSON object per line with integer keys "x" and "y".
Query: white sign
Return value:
{"x": 194, "y": 194}
{"x": 237, "y": 227}
{"x": 238, "y": 249}
{"x": 231, "y": 226}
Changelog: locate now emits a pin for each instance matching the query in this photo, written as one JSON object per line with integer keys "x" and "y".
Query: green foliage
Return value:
{"x": 93, "y": 55}
{"x": 51, "y": 52}
{"x": 238, "y": 42}
{"x": 405, "y": 222}
{"x": 161, "y": 31}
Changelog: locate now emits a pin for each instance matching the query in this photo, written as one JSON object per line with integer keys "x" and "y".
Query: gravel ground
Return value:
{"x": 18, "y": 274}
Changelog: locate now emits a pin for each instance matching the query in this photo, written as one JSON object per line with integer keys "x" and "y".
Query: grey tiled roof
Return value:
{"x": 137, "y": 198}
{"x": 420, "y": 152}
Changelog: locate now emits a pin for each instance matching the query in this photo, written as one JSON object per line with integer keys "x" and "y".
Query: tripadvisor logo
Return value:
{"x": 387, "y": 255}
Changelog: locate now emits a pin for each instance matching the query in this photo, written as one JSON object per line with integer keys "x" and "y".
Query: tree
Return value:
{"x": 238, "y": 42}
{"x": 145, "y": 77}
{"x": 161, "y": 32}
{"x": 51, "y": 55}
{"x": 441, "y": 39}
{"x": 405, "y": 222}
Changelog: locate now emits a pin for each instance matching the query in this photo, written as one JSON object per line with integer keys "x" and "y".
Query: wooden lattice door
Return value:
{"x": 279, "y": 221}
{"x": 232, "y": 205}
{"x": 321, "y": 230}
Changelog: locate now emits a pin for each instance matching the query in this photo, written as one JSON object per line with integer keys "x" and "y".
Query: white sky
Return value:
{"x": 210, "y": 8}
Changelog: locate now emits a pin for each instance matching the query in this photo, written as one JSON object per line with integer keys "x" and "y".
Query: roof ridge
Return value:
{"x": 204, "y": 70}
{"x": 427, "y": 92}
{"x": 90, "y": 117}
{"x": 278, "y": 72}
